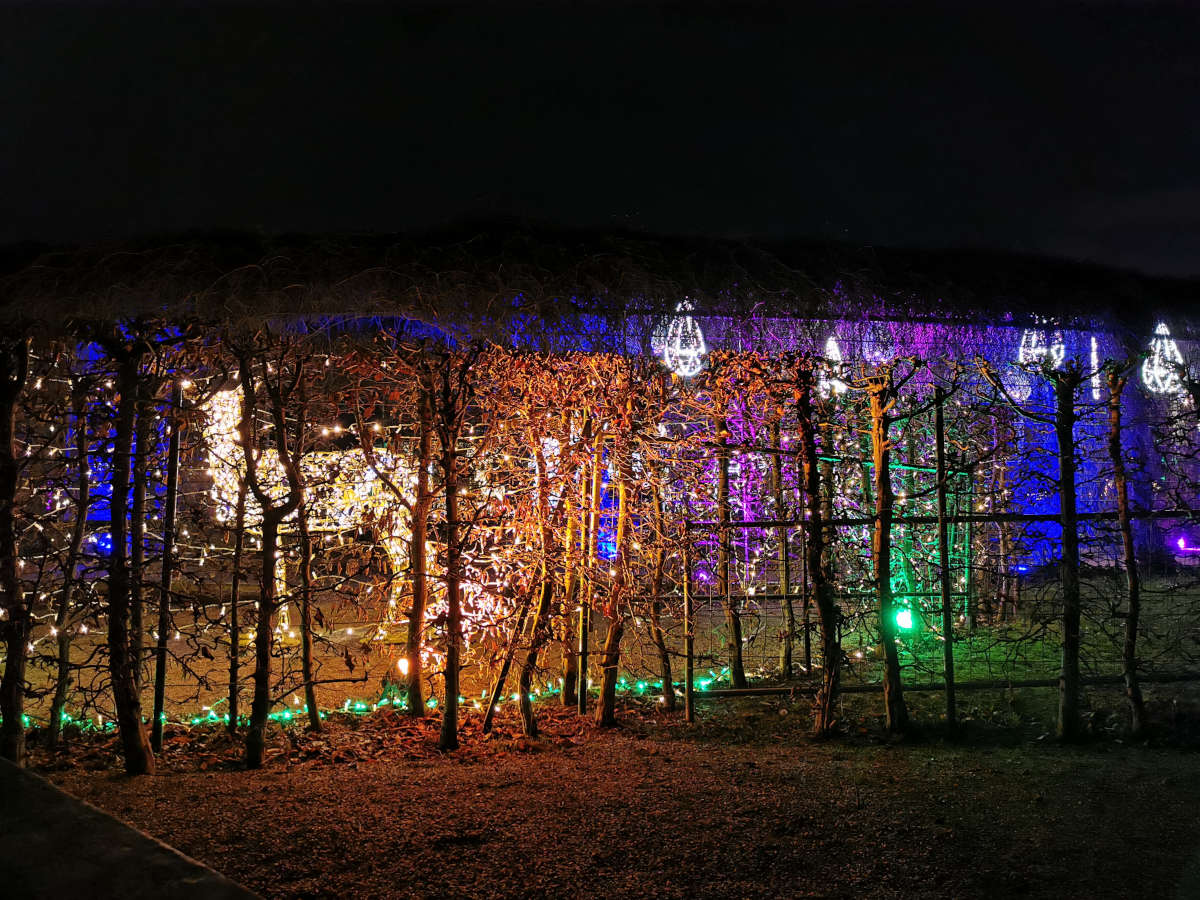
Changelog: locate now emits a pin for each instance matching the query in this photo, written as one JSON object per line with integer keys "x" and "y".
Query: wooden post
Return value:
{"x": 585, "y": 623}
{"x": 1065, "y": 385}
{"x": 817, "y": 563}
{"x": 589, "y": 554}
{"x": 235, "y": 598}
{"x": 15, "y": 630}
{"x": 414, "y": 698}
{"x": 689, "y": 708}
{"x": 733, "y": 619}
{"x": 62, "y": 617}
{"x": 568, "y": 642}
{"x": 882, "y": 398}
{"x": 139, "y": 758}
{"x": 785, "y": 563}
{"x": 497, "y": 689}
{"x": 939, "y": 427}
{"x": 1133, "y": 690}
{"x": 170, "y": 508}
{"x": 137, "y": 537}
{"x": 448, "y": 736}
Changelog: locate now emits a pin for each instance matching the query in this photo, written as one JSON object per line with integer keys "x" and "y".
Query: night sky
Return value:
{"x": 1054, "y": 128}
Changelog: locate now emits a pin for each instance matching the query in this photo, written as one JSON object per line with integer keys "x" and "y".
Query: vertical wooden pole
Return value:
{"x": 689, "y": 708}
{"x": 414, "y": 698}
{"x": 882, "y": 397}
{"x": 137, "y": 537}
{"x": 568, "y": 642}
{"x": 585, "y": 623}
{"x": 139, "y": 758}
{"x": 939, "y": 428}
{"x": 818, "y": 555}
{"x": 170, "y": 508}
{"x": 1065, "y": 385}
{"x": 62, "y": 617}
{"x": 785, "y": 560}
{"x": 1133, "y": 690}
{"x": 15, "y": 630}
{"x": 733, "y": 619}
{"x": 448, "y": 736}
{"x": 235, "y": 598}
{"x": 585, "y": 598}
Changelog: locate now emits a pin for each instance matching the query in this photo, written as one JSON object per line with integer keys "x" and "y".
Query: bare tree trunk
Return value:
{"x": 1008, "y": 609}
{"x": 566, "y": 634}
{"x": 139, "y": 759}
{"x": 170, "y": 508}
{"x": 235, "y": 599}
{"x": 448, "y": 739}
{"x": 264, "y": 636}
{"x": 656, "y": 629}
{"x": 273, "y": 514}
{"x": 944, "y": 560}
{"x": 1133, "y": 690}
{"x": 14, "y": 372}
{"x": 497, "y": 689}
{"x": 881, "y": 396}
{"x": 606, "y": 710}
{"x": 588, "y": 596}
{"x": 62, "y": 615}
{"x": 1065, "y": 385}
{"x": 306, "y": 660}
{"x": 537, "y": 638}
{"x": 414, "y": 686}
{"x": 733, "y": 619}
{"x": 540, "y": 630}
{"x": 455, "y": 394}
{"x": 824, "y": 711}
{"x": 137, "y": 539}
{"x": 785, "y": 560}
{"x": 610, "y": 661}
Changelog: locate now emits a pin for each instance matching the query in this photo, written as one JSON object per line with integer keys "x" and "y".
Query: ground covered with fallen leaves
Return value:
{"x": 742, "y": 804}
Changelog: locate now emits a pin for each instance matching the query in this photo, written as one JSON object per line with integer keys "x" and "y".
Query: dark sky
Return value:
{"x": 1060, "y": 128}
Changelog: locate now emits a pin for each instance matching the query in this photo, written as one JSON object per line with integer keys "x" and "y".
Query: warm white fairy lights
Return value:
{"x": 342, "y": 490}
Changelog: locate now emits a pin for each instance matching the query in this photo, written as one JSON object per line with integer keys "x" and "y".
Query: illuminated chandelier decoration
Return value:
{"x": 683, "y": 352}
{"x": 833, "y": 356}
{"x": 1160, "y": 370}
{"x": 1037, "y": 350}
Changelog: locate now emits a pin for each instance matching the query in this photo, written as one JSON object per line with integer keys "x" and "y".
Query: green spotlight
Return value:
{"x": 904, "y": 619}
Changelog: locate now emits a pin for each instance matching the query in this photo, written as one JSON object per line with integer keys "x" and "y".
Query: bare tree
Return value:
{"x": 278, "y": 384}
{"x": 1133, "y": 586}
{"x": 17, "y": 621}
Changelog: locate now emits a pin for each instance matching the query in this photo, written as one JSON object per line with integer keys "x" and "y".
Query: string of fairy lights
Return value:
{"x": 347, "y": 495}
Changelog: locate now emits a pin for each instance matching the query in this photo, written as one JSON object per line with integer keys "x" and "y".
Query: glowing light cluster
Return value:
{"x": 1161, "y": 369}
{"x": 1038, "y": 349}
{"x": 830, "y": 384}
{"x": 343, "y": 492}
{"x": 684, "y": 350}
